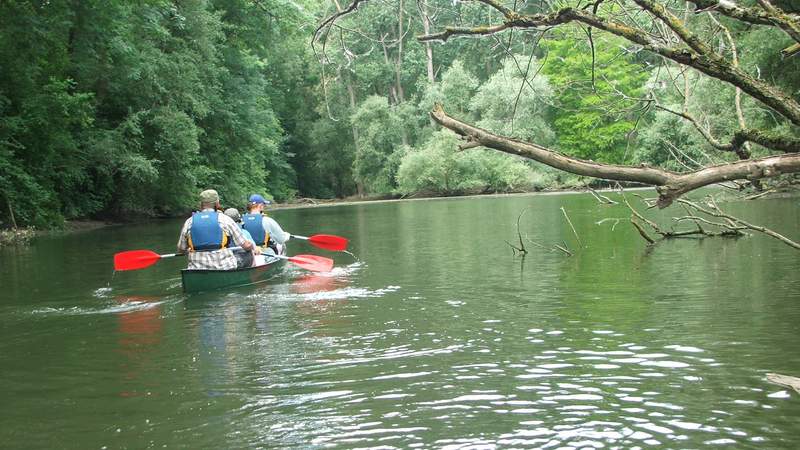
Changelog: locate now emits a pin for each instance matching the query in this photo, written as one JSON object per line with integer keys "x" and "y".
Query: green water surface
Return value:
{"x": 435, "y": 337}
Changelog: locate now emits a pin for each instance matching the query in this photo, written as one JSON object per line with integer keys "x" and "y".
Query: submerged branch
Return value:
{"x": 735, "y": 222}
{"x": 785, "y": 380}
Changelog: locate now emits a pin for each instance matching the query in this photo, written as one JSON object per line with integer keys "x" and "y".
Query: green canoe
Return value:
{"x": 209, "y": 280}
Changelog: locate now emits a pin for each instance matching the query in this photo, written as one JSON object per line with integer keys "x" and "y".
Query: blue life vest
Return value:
{"x": 246, "y": 234}
{"x": 206, "y": 233}
{"x": 254, "y": 223}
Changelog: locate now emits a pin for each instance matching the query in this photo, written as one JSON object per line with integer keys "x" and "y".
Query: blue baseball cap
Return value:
{"x": 255, "y": 198}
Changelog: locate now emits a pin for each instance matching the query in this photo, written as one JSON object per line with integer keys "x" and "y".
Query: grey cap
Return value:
{"x": 233, "y": 213}
{"x": 209, "y": 196}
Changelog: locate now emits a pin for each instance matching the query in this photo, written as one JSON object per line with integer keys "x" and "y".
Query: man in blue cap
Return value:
{"x": 264, "y": 229}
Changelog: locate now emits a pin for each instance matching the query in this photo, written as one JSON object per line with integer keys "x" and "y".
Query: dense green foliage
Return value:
{"x": 120, "y": 107}
{"x": 593, "y": 119}
{"x": 115, "y": 108}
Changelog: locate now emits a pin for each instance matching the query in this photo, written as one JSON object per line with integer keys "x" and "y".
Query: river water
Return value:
{"x": 436, "y": 336}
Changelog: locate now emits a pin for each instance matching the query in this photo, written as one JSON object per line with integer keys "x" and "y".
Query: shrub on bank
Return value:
{"x": 16, "y": 236}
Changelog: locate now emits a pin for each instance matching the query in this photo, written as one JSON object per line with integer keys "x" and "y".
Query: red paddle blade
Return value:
{"x": 135, "y": 259}
{"x": 329, "y": 242}
{"x": 313, "y": 263}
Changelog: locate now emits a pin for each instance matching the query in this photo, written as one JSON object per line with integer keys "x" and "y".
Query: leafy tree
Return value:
{"x": 454, "y": 91}
{"x": 509, "y": 104}
{"x": 592, "y": 119}
{"x": 379, "y": 138}
{"x": 115, "y": 107}
{"x": 439, "y": 168}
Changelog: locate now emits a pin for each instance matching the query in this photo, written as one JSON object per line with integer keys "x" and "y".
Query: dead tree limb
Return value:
{"x": 670, "y": 185}
{"x": 784, "y": 380}
{"x": 578, "y": 238}
{"x": 11, "y": 213}
{"x": 734, "y": 222}
{"x": 521, "y": 249}
{"x": 601, "y": 198}
{"x": 641, "y": 231}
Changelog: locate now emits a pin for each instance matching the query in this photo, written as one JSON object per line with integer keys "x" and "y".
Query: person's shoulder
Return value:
{"x": 225, "y": 219}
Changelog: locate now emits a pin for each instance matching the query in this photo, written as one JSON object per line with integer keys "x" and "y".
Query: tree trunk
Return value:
{"x": 392, "y": 90}
{"x": 11, "y": 213}
{"x": 398, "y": 70}
{"x": 399, "y": 65}
{"x": 670, "y": 185}
{"x": 351, "y": 93}
{"x": 426, "y": 27}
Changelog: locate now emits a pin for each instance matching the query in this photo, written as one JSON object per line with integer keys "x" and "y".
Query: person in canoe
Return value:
{"x": 265, "y": 230}
{"x": 206, "y": 236}
{"x": 234, "y": 214}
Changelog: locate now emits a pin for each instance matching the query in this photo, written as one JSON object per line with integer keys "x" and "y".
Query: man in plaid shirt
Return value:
{"x": 203, "y": 255}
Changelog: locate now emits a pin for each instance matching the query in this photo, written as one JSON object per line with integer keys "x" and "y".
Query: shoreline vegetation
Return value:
{"x": 18, "y": 236}
{"x": 23, "y": 236}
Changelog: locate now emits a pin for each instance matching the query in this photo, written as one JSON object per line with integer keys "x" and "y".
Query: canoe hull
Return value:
{"x": 210, "y": 280}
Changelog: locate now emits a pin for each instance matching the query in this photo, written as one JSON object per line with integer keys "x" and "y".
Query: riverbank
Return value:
{"x": 24, "y": 235}
{"x": 315, "y": 203}
{"x": 16, "y": 236}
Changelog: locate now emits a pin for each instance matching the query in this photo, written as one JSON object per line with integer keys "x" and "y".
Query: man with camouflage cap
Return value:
{"x": 207, "y": 235}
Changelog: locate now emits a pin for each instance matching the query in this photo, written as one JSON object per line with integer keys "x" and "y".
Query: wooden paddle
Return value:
{"x": 139, "y": 259}
{"x": 326, "y": 241}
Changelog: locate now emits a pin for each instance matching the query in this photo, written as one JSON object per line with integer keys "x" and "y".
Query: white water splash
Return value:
{"x": 102, "y": 292}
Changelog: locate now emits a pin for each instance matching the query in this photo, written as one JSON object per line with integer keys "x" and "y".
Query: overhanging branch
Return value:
{"x": 710, "y": 64}
{"x": 670, "y": 185}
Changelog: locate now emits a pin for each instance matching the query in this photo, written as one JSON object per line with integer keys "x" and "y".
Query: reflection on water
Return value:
{"x": 444, "y": 342}
{"x": 140, "y": 332}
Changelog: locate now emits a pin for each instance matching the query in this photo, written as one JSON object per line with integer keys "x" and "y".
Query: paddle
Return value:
{"x": 326, "y": 241}
{"x": 139, "y": 259}
{"x": 313, "y": 263}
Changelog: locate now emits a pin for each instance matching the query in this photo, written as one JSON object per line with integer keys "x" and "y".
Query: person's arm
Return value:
{"x": 275, "y": 231}
{"x": 183, "y": 243}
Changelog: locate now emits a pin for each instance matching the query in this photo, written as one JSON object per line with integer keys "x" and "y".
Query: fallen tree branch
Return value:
{"x": 572, "y": 226}
{"x": 784, "y": 380}
{"x": 601, "y": 198}
{"x": 670, "y": 185}
{"x": 521, "y": 249}
{"x": 615, "y": 219}
{"x": 729, "y": 230}
{"x": 735, "y": 221}
{"x": 641, "y": 231}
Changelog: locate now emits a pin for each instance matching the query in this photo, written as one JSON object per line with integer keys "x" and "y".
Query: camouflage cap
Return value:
{"x": 209, "y": 196}
{"x": 233, "y": 213}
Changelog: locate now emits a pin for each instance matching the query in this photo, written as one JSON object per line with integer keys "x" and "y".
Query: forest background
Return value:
{"x": 124, "y": 109}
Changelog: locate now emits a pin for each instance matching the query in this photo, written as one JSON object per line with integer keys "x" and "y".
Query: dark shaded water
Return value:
{"x": 436, "y": 338}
